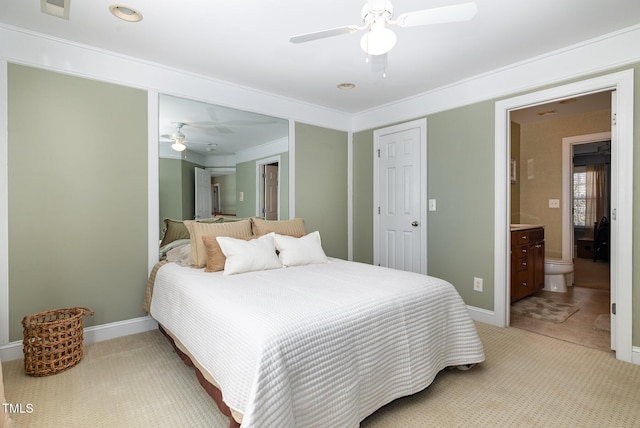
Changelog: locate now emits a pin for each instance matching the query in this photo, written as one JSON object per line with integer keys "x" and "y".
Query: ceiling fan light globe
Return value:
{"x": 378, "y": 41}
{"x": 178, "y": 146}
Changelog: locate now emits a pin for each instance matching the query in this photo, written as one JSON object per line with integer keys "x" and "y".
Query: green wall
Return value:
{"x": 321, "y": 185}
{"x": 363, "y": 197}
{"x": 461, "y": 179}
{"x": 177, "y": 181}
{"x": 77, "y": 183}
{"x": 246, "y": 182}
{"x": 170, "y": 188}
{"x": 460, "y": 146}
{"x": 228, "y": 202}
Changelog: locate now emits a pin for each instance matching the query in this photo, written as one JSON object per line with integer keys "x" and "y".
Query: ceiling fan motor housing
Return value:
{"x": 371, "y": 13}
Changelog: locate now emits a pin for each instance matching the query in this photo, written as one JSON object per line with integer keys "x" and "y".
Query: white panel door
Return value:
{"x": 400, "y": 197}
{"x": 202, "y": 193}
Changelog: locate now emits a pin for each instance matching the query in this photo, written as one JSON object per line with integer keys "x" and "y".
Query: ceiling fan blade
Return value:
{"x": 302, "y": 38}
{"x": 438, "y": 15}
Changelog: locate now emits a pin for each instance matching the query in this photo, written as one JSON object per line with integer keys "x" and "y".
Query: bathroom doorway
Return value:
{"x": 551, "y": 188}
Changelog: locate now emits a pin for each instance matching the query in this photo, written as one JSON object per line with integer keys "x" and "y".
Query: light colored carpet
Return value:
{"x": 544, "y": 309}
{"x": 528, "y": 380}
{"x": 603, "y": 322}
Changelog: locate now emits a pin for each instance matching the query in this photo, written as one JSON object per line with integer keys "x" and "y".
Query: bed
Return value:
{"x": 320, "y": 344}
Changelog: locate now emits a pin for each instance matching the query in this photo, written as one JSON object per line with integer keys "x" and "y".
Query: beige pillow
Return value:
{"x": 197, "y": 230}
{"x": 293, "y": 227}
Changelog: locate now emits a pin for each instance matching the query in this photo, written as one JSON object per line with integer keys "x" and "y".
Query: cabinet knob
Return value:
{"x": 524, "y": 284}
{"x": 524, "y": 237}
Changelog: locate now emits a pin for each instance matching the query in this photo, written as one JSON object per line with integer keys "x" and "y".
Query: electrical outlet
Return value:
{"x": 477, "y": 284}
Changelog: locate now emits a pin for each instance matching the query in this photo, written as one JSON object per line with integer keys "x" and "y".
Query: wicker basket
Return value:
{"x": 53, "y": 340}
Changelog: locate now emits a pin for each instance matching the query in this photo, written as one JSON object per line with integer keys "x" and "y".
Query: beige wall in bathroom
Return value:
{"x": 540, "y": 169}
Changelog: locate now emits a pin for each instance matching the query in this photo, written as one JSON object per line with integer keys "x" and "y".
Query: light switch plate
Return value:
{"x": 432, "y": 204}
{"x": 554, "y": 203}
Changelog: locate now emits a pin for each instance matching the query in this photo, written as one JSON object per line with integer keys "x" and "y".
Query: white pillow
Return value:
{"x": 300, "y": 251}
{"x": 248, "y": 256}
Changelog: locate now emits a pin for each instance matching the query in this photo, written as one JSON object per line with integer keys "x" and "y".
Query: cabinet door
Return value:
{"x": 520, "y": 272}
{"x": 538, "y": 265}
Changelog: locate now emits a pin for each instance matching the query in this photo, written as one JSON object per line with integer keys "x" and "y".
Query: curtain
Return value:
{"x": 595, "y": 196}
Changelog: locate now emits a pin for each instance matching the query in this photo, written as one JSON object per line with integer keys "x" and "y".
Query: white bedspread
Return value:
{"x": 316, "y": 346}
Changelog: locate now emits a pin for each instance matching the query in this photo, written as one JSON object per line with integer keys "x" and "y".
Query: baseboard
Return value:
{"x": 482, "y": 315}
{"x": 96, "y": 333}
{"x": 635, "y": 355}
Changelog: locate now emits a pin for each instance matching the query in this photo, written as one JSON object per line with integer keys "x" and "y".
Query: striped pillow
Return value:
{"x": 197, "y": 230}
{"x": 293, "y": 227}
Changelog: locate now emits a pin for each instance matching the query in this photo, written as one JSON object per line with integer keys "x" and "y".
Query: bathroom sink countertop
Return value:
{"x": 515, "y": 227}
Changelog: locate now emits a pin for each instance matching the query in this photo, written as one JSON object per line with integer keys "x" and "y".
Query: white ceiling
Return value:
{"x": 215, "y": 130}
{"x": 246, "y": 42}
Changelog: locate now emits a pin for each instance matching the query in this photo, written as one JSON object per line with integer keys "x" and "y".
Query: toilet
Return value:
{"x": 558, "y": 274}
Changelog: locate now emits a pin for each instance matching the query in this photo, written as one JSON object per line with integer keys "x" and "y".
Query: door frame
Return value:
{"x": 568, "y": 237}
{"x": 260, "y": 164}
{"x": 567, "y": 190}
{"x": 377, "y": 134}
{"x": 621, "y": 196}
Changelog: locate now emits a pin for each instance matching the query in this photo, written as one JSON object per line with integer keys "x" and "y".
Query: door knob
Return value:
{"x": 414, "y": 223}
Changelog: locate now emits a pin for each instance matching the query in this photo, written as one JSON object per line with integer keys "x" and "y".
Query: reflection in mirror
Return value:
{"x": 219, "y": 161}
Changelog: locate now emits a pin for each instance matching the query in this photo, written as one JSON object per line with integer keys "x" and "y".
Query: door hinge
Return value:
{"x": 378, "y": 152}
{"x": 614, "y": 119}
{"x": 613, "y": 308}
{"x": 613, "y": 214}
{"x": 378, "y": 210}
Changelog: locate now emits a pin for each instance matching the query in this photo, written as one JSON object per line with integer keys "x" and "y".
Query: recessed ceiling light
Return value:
{"x": 346, "y": 86}
{"x": 568, "y": 101}
{"x": 547, "y": 112}
{"x": 125, "y": 13}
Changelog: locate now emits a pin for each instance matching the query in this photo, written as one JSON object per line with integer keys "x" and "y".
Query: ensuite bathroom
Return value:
{"x": 560, "y": 215}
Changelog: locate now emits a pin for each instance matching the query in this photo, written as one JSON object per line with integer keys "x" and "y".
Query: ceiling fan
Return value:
{"x": 179, "y": 139}
{"x": 376, "y": 14}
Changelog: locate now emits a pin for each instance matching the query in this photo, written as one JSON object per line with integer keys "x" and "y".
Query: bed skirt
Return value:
{"x": 210, "y": 388}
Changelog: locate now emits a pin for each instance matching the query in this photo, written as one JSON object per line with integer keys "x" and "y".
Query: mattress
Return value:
{"x": 321, "y": 345}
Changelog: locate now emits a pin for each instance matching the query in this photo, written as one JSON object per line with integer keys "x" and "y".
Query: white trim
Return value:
{"x": 481, "y": 315}
{"x": 597, "y": 55}
{"x": 350, "y": 196}
{"x": 621, "y": 268}
{"x": 80, "y": 60}
{"x": 567, "y": 194}
{"x": 153, "y": 181}
{"x": 4, "y": 208}
{"x": 93, "y": 334}
{"x": 292, "y": 169}
{"x": 418, "y": 123}
{"x": 636, "y": 355}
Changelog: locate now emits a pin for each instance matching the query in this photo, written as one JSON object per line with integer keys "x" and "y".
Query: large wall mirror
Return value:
{"x": 219, "y": 161}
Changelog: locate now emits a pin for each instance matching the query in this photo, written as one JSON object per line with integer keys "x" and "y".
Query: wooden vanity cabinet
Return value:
{"x": 527, "y": 262}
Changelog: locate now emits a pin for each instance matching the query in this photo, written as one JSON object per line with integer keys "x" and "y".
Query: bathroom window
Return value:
{"x": 579, "y": 196}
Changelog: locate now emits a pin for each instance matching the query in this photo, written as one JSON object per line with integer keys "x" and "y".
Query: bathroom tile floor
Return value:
{"x": 578, "y": 328}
